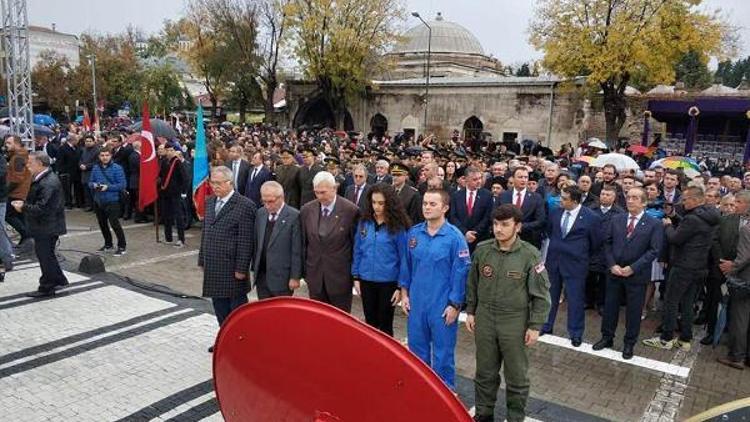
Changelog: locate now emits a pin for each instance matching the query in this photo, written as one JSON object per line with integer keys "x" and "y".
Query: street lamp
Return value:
{"x": 93, "y": 81}
{"x": 427, "y": 80}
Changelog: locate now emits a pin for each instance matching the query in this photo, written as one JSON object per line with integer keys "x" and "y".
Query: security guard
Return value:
{"x": 507, "y": 302}
{"x": 434, "y": 286}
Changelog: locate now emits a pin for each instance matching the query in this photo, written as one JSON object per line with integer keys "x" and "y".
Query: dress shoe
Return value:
{"x": 576, "y": 342}
{"x": 211, "y": 349}
{"x": 707, "y": 340}
{"x": 627, "y": 351}
{"x": 2, "y": 276}
{"x": 41, "y": 294}
{"x": 731, "y": 363}
{"x": 603, "y": 343}
{"x": 483, "y": 418}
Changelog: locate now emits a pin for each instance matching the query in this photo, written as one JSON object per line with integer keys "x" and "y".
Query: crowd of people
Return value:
{"x": 502, "y": 231}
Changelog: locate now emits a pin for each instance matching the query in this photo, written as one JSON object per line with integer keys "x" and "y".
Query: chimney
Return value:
{"x": 54, "y": 27}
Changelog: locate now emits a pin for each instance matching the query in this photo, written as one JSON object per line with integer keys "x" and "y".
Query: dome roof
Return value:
{"x": 447, "y": 37}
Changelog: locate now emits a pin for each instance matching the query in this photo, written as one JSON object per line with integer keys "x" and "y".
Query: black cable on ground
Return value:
{"x": 157, "y": 288}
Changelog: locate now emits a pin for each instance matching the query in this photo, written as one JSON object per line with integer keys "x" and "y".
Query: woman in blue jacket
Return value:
{"x": 380, "y": 255}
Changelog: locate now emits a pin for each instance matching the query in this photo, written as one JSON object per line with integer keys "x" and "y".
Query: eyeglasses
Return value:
{"x": 216, "y": 182}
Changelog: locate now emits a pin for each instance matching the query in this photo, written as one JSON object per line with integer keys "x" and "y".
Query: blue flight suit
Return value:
{"x": 436, "y": 277}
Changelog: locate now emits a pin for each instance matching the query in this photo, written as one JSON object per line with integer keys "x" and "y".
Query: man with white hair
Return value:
{"x": 327, "y": 239}
{"x": 381, "y": 172}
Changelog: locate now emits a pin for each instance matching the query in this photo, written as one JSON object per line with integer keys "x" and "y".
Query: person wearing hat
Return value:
{"x": 287, "y": 173}
{"x": 333, "y": 166}
{"x": 307, "y": 173}
{"x": 172, "y": 182}
{"x": 409, "y": 196}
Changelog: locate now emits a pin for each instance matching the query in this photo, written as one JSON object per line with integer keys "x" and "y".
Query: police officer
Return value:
{"x": 433, "y": 288}
{"x": 507, "y": 301}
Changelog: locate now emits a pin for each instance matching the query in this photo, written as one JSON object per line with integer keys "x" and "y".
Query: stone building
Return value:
{"x": 467, "y": 92}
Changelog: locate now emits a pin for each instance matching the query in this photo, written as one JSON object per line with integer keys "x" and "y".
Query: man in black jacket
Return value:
{"x": 171, "y": 190}
{"x": 44, "y": 209}
{"x": 68, "y": 157}
{"x": 690, "y": 241}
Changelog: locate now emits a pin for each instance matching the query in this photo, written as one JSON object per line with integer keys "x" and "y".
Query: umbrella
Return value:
{"x": 638, "y": 149}
{"x": 44, "y": 119}
{"x": 40, "y": 130}
{"x": 227, "y": 124}
{"x": 620, "y": 161}
{"x": 677, "y": 162}
{"x": 159, "y": 128}
{"x": 585, "y": 159}
{"x": 341, "y": 134}
{"x": 596, "y": 143}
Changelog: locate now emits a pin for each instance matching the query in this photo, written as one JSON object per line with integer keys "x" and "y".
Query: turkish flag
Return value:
{"x": 86, "y": 120}
{"x": 149, "y": 164}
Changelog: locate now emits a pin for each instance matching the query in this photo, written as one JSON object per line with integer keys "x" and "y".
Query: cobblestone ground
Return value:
{"x": 113, "y": 348}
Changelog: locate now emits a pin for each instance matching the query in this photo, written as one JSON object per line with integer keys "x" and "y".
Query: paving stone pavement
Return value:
{"x": 106, "y": 350}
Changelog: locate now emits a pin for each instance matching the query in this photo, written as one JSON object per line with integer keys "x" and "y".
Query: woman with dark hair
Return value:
{"x": 655, "y": 209}
{"x": 380, "y": 255}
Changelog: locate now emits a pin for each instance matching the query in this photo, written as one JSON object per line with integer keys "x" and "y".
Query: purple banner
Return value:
{"x": 691, "y": 133}
{"x": 747, "y": 148}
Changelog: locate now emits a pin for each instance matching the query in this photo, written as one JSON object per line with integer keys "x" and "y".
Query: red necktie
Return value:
{"x": 519, "y": 202}
{"x": 631, "y": 226}
{"x": 470, "y": 205}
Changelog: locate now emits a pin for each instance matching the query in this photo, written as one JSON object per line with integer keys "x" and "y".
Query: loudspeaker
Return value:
{"x": 91, "y": 264}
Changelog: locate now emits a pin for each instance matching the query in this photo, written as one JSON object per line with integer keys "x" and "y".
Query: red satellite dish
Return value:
{"x": 293, "y": 359}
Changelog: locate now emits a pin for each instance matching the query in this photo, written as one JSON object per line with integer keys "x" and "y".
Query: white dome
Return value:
{"x": 447, "y": 37}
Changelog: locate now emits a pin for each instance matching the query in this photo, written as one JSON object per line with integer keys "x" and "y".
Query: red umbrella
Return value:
{"x": 638, "y": 149}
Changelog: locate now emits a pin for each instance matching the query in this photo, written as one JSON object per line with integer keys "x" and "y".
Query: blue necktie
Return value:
{"x": 566, "y": 218}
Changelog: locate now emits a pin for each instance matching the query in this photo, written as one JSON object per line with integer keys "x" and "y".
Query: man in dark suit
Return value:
{"x": 258, "y": 175}
{"x": 287, "y": 173}
{"x": 633, "y": 242}
{"x": 471, "y": 209}
{"x": 409, "y": 196}
{"x": 531, "y": 205}
{"x": 67, "y": 168}
{"x": 381, "y": 172}
{"x": 44, "y": 209}
{"x": 306, "y": 175}
{"x": 596, "y": 282}
{"x": 670, "y": 189}
{"x": 278, "y": 255}
{"x": 240, "y": 168}
{"x": 134, "y": 179}
{"x": 227, "y": 245}
{"x": 574, "y": 235}
{"x": 356, "y": 193}
{"x": 588, "y": 199}
{"x": 723, "y": 253}
{"x": 609, "y": 175}
{"x": 328, "y": 224}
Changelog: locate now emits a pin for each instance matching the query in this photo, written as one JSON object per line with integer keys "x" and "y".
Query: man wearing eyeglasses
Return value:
{"x": 227, "y": 245}
{"x": 357, "y": 192}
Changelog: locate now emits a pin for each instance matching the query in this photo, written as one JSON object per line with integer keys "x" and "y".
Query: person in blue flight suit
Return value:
{"x": 434, "y": 287}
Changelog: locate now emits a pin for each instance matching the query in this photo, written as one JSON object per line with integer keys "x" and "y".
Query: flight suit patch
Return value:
{"x": 413, "y": 243}
{"x": 516, "y": 275}
{"x": 487, "y": 271}
{"x": 363, "y": 232}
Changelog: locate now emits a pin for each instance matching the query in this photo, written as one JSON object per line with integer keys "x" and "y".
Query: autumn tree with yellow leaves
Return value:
{"x": 340, "y": 44}
{"x": 612, "y": 41}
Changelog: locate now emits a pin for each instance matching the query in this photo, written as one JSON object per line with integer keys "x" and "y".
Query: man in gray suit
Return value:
{"x": 278, "y": 255}
{"x": 227, "y": 245}
{"x": 328, "y": 238}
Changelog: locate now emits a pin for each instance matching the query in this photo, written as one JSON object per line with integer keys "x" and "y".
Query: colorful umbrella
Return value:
{"x": 677, "y": 162}
{"x": 585, "y": 159}
{"x": 638, "y": 149}
{"x": 596, "y": 143}
{"x": 620, "y": 161}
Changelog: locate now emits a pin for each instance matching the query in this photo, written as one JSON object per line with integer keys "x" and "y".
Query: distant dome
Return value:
{"x": 447, "y": 37}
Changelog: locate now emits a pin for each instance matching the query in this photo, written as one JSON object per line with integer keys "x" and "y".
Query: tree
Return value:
{"x": 731, "y": 73}
{"x": 272, "y": 37}
{"x": 340, "y": 44}
{"x": 523, "y": 70}
{"x": 49, "y": 81}
{"x": 161, "y": 86}
{"x": 610, "y": 42}
{"x": 692, "y": 69}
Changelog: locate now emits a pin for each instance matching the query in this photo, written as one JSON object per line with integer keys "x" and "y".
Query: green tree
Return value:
{"x": 161, "y": 86}
{"x": 731, "y": 73}
{"x": 523, "y": 70}
{"x": 611, "y": 42}
{"x": 692, "y": 69}
{"x": 340, "y": 44}
{"x": 49, "y": 81}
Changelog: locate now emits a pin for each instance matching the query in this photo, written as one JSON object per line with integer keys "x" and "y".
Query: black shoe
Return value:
{"x": 627, "y": 352}
{"x": 707, "y": 340}
{"x": 576, "y": 342}
{"x": 2, "y": 276}
{"x": 106, "y": 248}
{"x": 62, "y": 285}
{"x": 484, "y": 418}
{"x": 41, "y": 294}
{"x": 211, "y": 349}
{"x": 120, "y": 252}
{"x": 603, "y": 344}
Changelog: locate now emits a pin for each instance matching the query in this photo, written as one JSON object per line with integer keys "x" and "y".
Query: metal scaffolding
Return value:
{"x": 15, "y": 45}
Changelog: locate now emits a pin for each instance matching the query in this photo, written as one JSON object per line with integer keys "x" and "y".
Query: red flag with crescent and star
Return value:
{"x": 147, "y": 193}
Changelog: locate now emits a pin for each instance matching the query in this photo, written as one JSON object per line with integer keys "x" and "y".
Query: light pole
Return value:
{"x": 93, "y": 81}
{"x": 427, "y": 80}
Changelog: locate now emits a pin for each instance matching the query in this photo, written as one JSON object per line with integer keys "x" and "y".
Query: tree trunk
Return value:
{"x": 243, "y": 110}
{"x": 271, "y": 85}
{"x": 614, "y": 112}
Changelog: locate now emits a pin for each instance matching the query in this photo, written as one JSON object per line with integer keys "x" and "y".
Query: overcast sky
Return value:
{"x": 500, "y": 25}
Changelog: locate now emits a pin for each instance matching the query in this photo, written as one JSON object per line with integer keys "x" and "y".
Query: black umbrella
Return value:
{"x": 159, "y": 128}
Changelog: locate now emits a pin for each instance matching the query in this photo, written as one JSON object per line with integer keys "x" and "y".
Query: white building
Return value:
{"x": 42, "y": 39}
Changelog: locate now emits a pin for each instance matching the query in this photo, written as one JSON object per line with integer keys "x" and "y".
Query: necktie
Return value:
{"x": 356, "y": 194}
{"x": 219, "y": 205}
{"x": 255, "y": 173}
{"x": 325, "y": 212}
{"x": 273, "y": 217}
{"x": 235, "y": 171}
{"x": 470, "y": 204}
{"x": 566, "y": 219}
{"x": 631, "y": 225}
{"x": 519, "y": 201}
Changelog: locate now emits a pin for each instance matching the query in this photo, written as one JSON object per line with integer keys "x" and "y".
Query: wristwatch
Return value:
{"x": 455, "y": 306}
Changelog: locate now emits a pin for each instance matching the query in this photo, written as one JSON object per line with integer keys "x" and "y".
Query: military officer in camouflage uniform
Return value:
{"x": 507, "y": 301}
